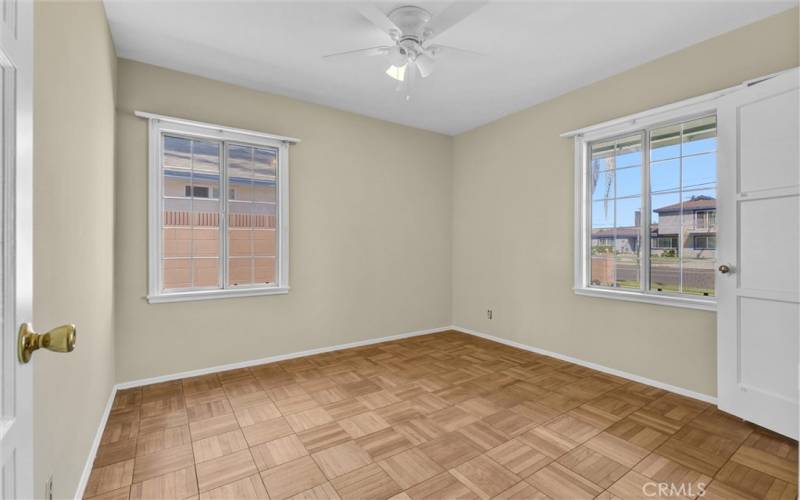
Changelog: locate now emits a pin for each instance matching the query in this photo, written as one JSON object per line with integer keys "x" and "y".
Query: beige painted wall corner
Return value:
{"x": 75, "y": 73}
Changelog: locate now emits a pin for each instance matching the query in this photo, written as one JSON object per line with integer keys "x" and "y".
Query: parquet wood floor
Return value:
{"x": 433, "y": 417}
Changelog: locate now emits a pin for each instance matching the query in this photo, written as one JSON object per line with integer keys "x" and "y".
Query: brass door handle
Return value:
{"x": 724, "y": 269}
{"x": 59, "y": 339}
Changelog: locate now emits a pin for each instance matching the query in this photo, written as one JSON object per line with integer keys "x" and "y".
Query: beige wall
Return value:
{"x": 370, "y": 231}
{"x": 513, "y": 216}
{"x": 75, "y": 67}
{"x": 375, "y": 228}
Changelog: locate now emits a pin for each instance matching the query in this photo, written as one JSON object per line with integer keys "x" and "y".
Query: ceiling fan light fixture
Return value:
{"x": 397, "y": 72}
{"x": 424, "y": 64}
{"x": 398, "y": 56}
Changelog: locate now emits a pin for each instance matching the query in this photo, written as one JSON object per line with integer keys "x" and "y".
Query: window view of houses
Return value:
{"x": 193, "y": 202}
{"x": 682, "y": 220}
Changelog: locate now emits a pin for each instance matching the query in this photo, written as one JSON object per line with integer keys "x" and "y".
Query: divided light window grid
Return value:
{"x": 209, "y": 242}
{"x": 653, "y": 209}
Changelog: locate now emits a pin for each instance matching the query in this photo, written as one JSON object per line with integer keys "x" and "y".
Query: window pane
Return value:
{"x": 205, "y": 273}
{"x": 240, "y": 171}
{"x": 700, "y": 136}
{"x": 699, "y": 226}
{"x": 602, "y": 184}
{"x": 629, "y": 151}
{"x": 683, "y": 221}
{"x": 629, "y": 182}
{"x": 700, "y": 171}
{"x": 603, "y": 258}
{"x": 264, "y": 269}
{"x": 240, "y": 271}
{"x": 177, "y": 152}
{"x": 205, "y": 228}
{"x": 603, "y": 214}
{"x": 665, "y": 143}
{"x": 252, "y": 222}
{"x": 265, "y": 162}
{"x": 176, "y": 273}
{"x": 603, "y": 243}
{"x": 191, "y": 214}
{"x": 264, "y": 175}
{"x": 603, "y": 155}
{"x": 665, "y": 228}
{"x": 205, "y": 156}
{"x": 627, "y": 244}
{"x": 665, "y": 175}
{"x": 616, "y": 215}
{"x": 239, "y": 229}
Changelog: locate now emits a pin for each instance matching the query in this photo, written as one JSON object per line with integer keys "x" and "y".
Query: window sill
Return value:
{"x": 649, "y": 298}
{"x": 214, "y": 294}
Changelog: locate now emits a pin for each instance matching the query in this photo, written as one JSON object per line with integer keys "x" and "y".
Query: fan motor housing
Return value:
{"x": 411, "y": 20}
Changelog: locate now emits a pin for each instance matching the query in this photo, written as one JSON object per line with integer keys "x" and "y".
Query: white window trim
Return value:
{"x": 158, "y": 125}
{"x": 676, "y": 112}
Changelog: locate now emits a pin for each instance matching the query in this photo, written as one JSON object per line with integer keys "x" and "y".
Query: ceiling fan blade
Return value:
{"x": 371, "y": 51}
{"x": 451, "y": 16}
{"x": 376, "y": 16}
{"x": 437, "y": 49}
{"x": 425, "y": 65}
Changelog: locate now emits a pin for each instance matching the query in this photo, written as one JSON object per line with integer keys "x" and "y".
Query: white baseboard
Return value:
{"x": 87, "y": 468}
{"x": 273, "y": 359}
{"x": 594, "y": 366}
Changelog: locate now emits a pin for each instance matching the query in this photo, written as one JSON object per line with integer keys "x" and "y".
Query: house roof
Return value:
{"x": 700, "y": 202}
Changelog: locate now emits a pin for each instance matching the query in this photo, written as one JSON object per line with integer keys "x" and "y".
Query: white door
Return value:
{"x": 16, "y": 210}
{"x": 758, "y": 315}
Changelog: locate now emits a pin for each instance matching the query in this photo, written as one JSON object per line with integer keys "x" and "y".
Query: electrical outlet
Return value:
{"x": 489, "y": 313}
{"x": 48, "y": 488}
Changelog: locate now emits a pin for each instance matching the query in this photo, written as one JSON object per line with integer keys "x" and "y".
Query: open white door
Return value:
{"x": 758, "y": 315}
{"x": 16, "y": 151}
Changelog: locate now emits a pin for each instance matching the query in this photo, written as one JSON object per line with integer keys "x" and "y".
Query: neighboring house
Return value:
{"x": 621, "y": 239}
{"x": 697, "y": 224}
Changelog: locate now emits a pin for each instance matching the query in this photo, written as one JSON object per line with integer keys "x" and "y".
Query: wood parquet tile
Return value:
{"x": 432, "y": 417}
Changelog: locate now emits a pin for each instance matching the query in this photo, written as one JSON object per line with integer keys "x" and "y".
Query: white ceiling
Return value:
{"x": 534, "y": 50}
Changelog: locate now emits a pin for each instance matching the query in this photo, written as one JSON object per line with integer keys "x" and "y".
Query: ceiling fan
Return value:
{"x": 411, "y": 29}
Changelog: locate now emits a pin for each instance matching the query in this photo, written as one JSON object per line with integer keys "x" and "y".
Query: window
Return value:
{"x": 705, "y": 243}
{"x": 196, "y": 192}
{"x": 203, "y": 245}
{"x": 664, "y": 243}
{"x": 646, "y": 200}
{"x": 705, "y": 219}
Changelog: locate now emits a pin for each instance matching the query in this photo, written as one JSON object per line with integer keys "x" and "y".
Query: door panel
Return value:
{"x": 758, "y": 310}
{"x": 768, "y": 335}
{"x": 768, "y": 248}
{"x": 768, "y": 134}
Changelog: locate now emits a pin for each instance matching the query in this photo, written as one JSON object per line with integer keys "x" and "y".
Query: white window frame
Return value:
{"x": 674, "y": 113}
{"x": 159, "y": 125}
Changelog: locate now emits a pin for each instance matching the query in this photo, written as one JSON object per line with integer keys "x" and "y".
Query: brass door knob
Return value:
{"x": 59, "y": 339}
{"x": 724, "y": 269}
